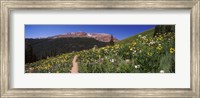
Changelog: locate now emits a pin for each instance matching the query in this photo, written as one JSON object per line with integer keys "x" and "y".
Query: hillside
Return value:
{"x": 141, "y": 53}
{"x": 43, "y": 48}
{"x": 148, "y": 33}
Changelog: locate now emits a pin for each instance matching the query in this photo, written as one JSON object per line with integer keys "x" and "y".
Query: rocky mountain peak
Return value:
{"x": 98, "y": 36}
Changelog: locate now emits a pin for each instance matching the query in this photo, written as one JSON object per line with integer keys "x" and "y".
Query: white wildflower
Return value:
{"x": 144, "y": 37}
{"x": 152, "y": 42}
{"x": 127, "y": 60}
{"x": 162, "y": 71}
{"x": 112, "y": 60}
{"x": 106, "y": 57}
{"x": 137, "y": 66}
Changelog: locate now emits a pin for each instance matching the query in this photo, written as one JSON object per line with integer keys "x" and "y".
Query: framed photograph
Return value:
{"x": 100, "y": 48}
{"x": 123, "y": 49}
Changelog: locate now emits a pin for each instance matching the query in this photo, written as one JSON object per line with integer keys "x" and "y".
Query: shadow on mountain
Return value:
{"x": 37, "y": 49}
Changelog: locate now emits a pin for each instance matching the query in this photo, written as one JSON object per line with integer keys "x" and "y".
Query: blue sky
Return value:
{"x": 118, "y": 31}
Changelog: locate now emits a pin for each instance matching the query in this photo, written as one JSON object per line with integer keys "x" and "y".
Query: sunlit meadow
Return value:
{"x": 142, "y": 53}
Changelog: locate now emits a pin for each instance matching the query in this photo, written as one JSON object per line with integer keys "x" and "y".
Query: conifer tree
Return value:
{"x": 111, "y": 40}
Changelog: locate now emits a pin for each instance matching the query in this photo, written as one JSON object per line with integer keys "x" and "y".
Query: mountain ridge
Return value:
{"x": 104, "y": 37}
{"x": 41, "y": 48}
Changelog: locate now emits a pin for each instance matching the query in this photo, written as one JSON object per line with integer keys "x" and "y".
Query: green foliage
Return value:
{"x": 30, "y": 57}
{"x": 161, "y": 29}
{"x": 166, "y": 63}
{"x": 142, "y": 53}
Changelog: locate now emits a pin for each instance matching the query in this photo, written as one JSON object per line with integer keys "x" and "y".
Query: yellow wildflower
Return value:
{"x": 149, "y": 53}
{"x": 160, "y": 37}
{"x": 171, "y": 50}
{"x": 134, "y": 43}
{"x": 159, "y": 47}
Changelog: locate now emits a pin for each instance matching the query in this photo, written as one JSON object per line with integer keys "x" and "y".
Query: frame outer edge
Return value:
{"x": 95, "y": 4}
{"x": 5, "y": 92}
{"x": 0, "y": 50}
{"x": 198, "y": 66}
{"x": 196, "y": 50}
{"x": 4, "y": 48}
{"x": 1, "y": 44}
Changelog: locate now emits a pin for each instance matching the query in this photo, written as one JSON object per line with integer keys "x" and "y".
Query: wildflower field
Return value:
{"x": 142, "y": 53}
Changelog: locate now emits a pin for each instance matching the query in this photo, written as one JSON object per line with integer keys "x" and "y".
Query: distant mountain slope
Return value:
{"x": 42, "y": 48}
{"x": 103, "y": 37}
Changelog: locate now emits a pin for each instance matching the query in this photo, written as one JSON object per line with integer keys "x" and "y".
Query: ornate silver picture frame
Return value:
{"x": 6, "y": 6}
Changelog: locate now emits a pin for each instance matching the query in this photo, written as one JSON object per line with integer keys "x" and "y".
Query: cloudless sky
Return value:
{"x": 118, "y": 31}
